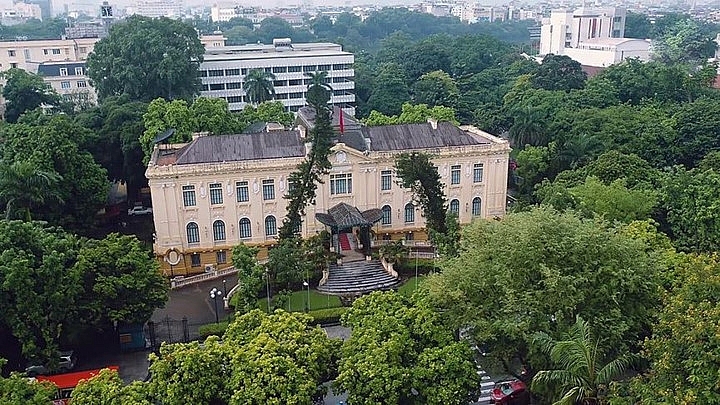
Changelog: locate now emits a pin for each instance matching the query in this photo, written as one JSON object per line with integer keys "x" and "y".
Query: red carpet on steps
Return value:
{"x": 344, "y": 242}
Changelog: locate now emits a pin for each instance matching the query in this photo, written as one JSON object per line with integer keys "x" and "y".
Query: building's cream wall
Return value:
{"x": 171, "y": 217}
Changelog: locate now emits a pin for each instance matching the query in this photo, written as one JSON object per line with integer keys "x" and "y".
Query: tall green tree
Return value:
{"x": 106, "y": 388}
{"x": 436, "y": 88}
{"x": 278, "y": 359}
{"x": 250, "y": 276}
{"x": 259, "y": 86}
{"x": 390, "y": 91}
{"x": 683, "y": 349}
{"x": 551, "y": 268}
{"x": 23, "y": 186}
{"x": 56, "y": 147}
{"x": 121, "y": 282}
{"x": 147, "y": 58}
{"x": 559, "y": 72}
{"x": 39, "y": 286}
{"x": 400, "y": 353}
{"x": 417, "y": 172}
{"x": 310, "y": 172}
{"x": 24, "y": 91}
{"x": 584, "y": 375}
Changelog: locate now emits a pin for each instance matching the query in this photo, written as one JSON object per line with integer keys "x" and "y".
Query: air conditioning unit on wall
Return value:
{"x": 209, "y": 268}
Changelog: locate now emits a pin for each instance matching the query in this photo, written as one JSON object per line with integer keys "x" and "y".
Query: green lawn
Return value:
{"x": 298, "y": 299}
{"x": 408, "y": 288}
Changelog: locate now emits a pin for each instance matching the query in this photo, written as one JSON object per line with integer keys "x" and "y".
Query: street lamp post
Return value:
{"x": 267, "y": 284}
{"x": 214, "y": 295}
{"x": 307, "y": 302}
{"x": 225, "y": 288}
{"x": 416, "y": 267}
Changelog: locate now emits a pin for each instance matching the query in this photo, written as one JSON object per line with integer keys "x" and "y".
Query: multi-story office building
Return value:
{"x": 218, "y": 191}
{"x": 593, "y": 37}
{"x": 60, "y": 61}
{"x": 159, "y": 8}
{"x": 46, "y": 10}
{"x": 224, "y": 69}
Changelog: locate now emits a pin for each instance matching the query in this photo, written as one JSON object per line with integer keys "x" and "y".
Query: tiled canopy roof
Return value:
{"x": 345, "y": 216}
{"x": 232, "y": 148}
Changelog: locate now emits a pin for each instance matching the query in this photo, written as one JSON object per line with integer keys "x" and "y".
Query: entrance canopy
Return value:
{"x": 344, "y": 216}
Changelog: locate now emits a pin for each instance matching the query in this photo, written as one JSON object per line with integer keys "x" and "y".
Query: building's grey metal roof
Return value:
{"x": 53, "y": 69}
{"x": 419, "y": 136}
{"x": 237, "y": 147}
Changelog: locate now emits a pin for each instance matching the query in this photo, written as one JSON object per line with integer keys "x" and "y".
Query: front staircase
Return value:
{"x": 358, "y": 277}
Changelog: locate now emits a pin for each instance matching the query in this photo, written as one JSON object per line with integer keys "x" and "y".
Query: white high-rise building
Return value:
{"x": 224, "y": 68}
{"x": 591, "y": 36}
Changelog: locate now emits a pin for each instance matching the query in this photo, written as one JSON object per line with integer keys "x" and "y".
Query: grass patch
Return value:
{"x": 408, "y": 288}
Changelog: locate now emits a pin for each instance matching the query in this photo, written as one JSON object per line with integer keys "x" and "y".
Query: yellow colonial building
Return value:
{"x": 216, "y": 191}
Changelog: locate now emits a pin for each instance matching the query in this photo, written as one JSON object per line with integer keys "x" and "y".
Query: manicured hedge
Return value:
{"x": 328, "y": 315}
{"x": 212, "y": 329}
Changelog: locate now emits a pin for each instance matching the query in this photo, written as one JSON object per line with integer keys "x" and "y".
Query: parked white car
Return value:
{"x": 139, "y": 210}
{"x": 66, "y": 362}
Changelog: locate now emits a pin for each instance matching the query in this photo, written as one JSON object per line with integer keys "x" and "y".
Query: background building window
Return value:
{"x": 193, "y": 233}
{"x": 78, "y": 71}
{"x": 455, "y": 174}
{"x": 341, "y": 183}
{"x": 189, "y": 196}
{"x": 476, "y": 206}
{"x": 386, "y": 180}
{"x": 270, "y": 226}
{"x": 243, "y": 195}
{"x": 218, "y": 230}
{"x": 478, "y": 173}
{"x": 455, "y": 207}
{"x": 221, "y": 257}
{"x": 386, "y": 215}
{"x": 195, "y": 260}
{"x": 245, "y": 229}
{"x": 64, "y": 85}
{"x": 82, "y": 83}
{"x": 409, "y": 213}
{"x": 216, "y": 192}
{"x": 268, "y": 189}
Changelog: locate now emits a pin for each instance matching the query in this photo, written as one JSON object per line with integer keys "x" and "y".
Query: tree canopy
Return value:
{"x": 146, "y": 58}
{"x": 551, "y": 268}
{"x": 400, "y": 353}
{"x": 24, "y": 91}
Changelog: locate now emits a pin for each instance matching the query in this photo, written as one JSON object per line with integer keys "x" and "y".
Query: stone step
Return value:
{"x": 358, "y": 277}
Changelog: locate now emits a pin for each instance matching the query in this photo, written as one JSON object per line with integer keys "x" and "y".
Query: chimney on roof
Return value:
{"x": 368, "y": 143}
{"x": 308, "y": 148}
{"x": 303, "y": 131}
{"x": 433, "y": 122}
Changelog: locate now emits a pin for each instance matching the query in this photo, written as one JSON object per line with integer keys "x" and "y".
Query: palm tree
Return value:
{"x": 394, "y": 252}
{"x": 582, "y": 376}
{"x": 259, "y": 86}
{"x": 24, "y": 185}
{"x": 319, "y": 91}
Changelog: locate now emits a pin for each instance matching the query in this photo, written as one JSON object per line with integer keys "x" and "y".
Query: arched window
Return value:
{"x": 409, "y": 212}
{"x": 193, "y": 233}
{"x": 218, "y": 230}
{"x": 245, "y": 230}
{"x": 455, "y": 207}
{"x": 270, "y": 226}
{"x": 476, "y": 206}
{"x": 386, "y": 215}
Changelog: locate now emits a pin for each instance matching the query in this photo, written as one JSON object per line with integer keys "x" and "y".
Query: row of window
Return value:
{"x": 409, "y": 216}
{"x": 219, "y": 235}
{"x": 340, "y": 183}
{"x": 275, "y": 70}
{"x": 242, "y": 193}
{"x": 79, "y": 71}
{"x": 51, "y": 51}
{"x": 68, "y": 85}
{"x": 455, "y": 173}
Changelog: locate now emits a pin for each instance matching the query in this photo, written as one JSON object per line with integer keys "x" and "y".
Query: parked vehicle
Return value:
{"x": 140, "y": 210}
{"x": 66, "y": 363}
{"x": 66, "y": 383}
{"x": 510, "y": 392}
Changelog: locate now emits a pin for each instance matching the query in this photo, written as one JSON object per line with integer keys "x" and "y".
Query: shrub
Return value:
{"x": 328, "y": 315}
{"x": 212, "y": 329}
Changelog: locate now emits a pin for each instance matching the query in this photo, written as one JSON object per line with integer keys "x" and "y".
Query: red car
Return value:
{"x": 510, "y": 392}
